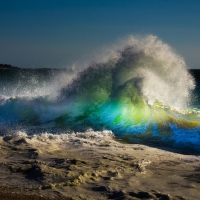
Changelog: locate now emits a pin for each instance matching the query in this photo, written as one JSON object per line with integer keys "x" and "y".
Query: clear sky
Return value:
{"x": 55, "y": 33}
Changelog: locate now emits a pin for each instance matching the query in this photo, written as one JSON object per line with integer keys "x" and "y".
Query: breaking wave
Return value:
{"x": 140, "y": 89}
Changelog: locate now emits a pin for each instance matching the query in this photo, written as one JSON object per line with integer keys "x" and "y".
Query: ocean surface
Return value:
{"x": 140, "y": 89}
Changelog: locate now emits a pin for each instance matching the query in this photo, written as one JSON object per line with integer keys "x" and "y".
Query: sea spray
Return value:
{"x": 141, "y": 89}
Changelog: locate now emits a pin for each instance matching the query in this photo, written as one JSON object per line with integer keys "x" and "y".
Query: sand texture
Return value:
{"x": 75, "y": 167}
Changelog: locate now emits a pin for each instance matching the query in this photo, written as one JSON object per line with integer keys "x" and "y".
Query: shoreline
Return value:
{"x": 94, "y": 167}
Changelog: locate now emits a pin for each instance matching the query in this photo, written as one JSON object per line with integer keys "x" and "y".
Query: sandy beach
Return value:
{"x": 93, "y": 167}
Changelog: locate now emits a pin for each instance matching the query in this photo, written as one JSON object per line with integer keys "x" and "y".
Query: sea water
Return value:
{"x": 139, "y": 89}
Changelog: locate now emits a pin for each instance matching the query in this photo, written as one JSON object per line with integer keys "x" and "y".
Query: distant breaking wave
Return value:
{"x": 140, "y": 90}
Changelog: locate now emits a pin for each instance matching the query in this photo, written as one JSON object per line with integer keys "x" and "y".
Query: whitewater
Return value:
{"x": 139, "y": 90}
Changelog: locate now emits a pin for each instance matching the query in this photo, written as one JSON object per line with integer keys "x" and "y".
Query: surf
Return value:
{"x": 141, "y": 90}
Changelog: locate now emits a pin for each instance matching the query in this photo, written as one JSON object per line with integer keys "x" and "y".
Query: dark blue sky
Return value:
{"x": 55, "y": 33}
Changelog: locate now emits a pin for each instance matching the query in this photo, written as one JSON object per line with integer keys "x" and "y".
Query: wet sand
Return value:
{"x": 93, "y": 167}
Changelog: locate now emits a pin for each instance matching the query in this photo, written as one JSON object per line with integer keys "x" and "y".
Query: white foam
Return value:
{"x": 64, "y": 137}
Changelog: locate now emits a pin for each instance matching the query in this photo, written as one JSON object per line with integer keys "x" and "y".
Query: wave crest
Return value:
{"x": 152, "y": 67}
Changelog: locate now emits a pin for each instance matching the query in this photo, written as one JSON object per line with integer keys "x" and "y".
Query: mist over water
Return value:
{"x": 140, "y": 89}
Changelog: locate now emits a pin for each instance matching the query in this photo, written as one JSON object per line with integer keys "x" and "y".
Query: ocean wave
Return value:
{"x": 139, "y": 87}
